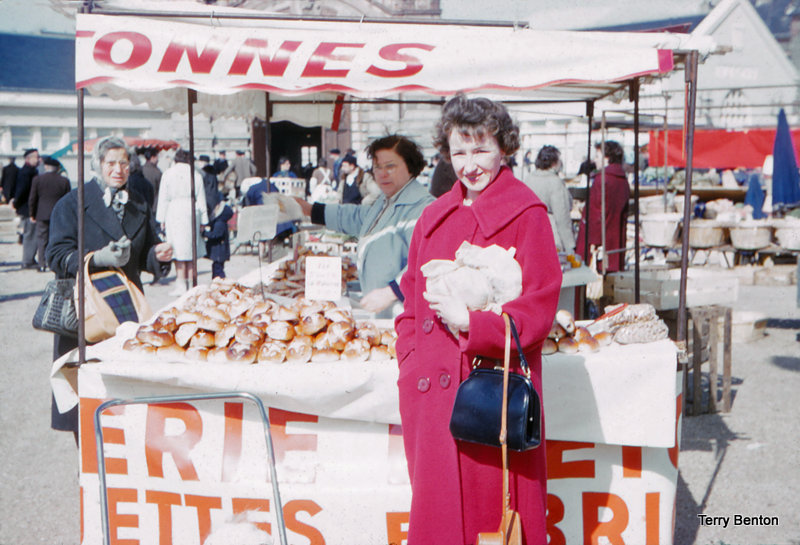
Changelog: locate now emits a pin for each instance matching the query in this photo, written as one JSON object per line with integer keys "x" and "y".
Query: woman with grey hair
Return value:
{"x": 550, "y": 188}
{"x": 119, "y": 228}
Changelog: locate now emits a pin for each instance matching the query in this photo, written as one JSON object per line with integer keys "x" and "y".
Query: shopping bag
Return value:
{"x": 110, "y": 298}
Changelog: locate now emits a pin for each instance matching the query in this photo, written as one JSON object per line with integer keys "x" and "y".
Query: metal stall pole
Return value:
{"x": 81, "y": 228}
{"x": 590, "y": 115}
{"x": 666, "y": 145}
{"x": 634, "y": 92}
{"x": 191, "y": 96}
{"x": 691, "y": 99}
{"x": 602, "y": 167}
{"x": 85, "y": 8}
{"x": 268, "y": 143}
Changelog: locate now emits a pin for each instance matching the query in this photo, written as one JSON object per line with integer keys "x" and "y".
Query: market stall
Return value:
{"x": 176, "y": 472}
{"x": 340, "y": 444}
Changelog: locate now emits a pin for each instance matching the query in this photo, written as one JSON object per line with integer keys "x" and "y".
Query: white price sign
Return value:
{"x": 323, "y": 278}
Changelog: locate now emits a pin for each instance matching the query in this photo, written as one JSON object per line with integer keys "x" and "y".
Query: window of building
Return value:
{"x": 51, "y": 139}
{"x": 308, "y": 154}
{"x": 135, "y": 133}
{"x": 21, "y": 138}
{"x": 102, "y": 133}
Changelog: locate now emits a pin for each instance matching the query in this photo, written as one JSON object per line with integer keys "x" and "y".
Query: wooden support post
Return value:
{"x": 726, "y": 361}
{"x": 698, "y": 323}
{"x": 713, "y": 344}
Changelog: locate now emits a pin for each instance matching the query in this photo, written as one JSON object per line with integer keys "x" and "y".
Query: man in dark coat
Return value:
{"x": 210, "y": 183}
{"x": 9, "y": 179}
{"x": 151, "y": 172}
{"x": 21, "y": 193}
{"x": 220, "y": 164}
{"x": 47, "y": 189}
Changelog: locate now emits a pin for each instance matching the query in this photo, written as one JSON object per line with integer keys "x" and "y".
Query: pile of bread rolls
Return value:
{"x": 289, "y": 278}
{"x": 569, "y": 338}
{"x": 227, "y": 322}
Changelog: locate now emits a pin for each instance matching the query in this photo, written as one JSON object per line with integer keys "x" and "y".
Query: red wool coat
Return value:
{"x": 456, "y": 486}
{"x": 617, "y": 194}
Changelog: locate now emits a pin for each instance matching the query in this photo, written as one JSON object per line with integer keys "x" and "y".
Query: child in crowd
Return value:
{"x": 218, "y": 248}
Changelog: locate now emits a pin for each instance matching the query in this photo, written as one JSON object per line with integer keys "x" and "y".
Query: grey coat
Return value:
{"x": 383, "y": 239}
{"x": 552, "y": 192}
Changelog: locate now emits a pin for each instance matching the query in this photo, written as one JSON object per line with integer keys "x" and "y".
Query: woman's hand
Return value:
{"x": 164, "y": 251}
{"x": 378, "y": 299}
{"x": 452, "y": 312}
{"x": 304, "y": 205}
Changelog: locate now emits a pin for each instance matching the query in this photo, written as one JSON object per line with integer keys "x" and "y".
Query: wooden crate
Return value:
{"x": 660, "y": 288}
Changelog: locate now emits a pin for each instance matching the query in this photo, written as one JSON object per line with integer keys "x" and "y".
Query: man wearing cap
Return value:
{"x": 220, "y": 164}
{"x": 22, "y": 191}
{"x": 151, "y": 171}
{"x": 243, "y": 167}
{"x": 210, "y": 182}
{"x": 46, "y": 190}
{"x": 335, "y": 160}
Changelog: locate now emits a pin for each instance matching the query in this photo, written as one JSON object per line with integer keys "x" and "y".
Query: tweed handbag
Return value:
{"x": 110, "y": 298}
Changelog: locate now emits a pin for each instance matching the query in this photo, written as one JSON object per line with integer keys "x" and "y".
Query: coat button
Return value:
{"x": 427, "y": 325}
{"x": 444, "y": 380}
{"x": 423, "y": 384}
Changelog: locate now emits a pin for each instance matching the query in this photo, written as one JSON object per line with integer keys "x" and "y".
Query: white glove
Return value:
{"x": 452, "y": 311}
{"x": 114, "y": 254}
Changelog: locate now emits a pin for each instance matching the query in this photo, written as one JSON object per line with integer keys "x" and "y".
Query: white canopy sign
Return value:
{"x": 363, "y": 59}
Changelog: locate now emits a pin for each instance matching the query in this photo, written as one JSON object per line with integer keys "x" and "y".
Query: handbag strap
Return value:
{"x": 523, "y": 361}
{"x": 504, "y": 413}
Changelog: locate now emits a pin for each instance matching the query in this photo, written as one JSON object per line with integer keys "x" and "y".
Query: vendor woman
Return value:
{"x": 384, "y": 227}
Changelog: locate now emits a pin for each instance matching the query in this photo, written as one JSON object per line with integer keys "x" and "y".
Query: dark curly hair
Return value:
{"x": 476, "y": 117}
{"x": 402, "y": 146}
{"x": 547, "y": 157}
{"x": 613, "y": 152}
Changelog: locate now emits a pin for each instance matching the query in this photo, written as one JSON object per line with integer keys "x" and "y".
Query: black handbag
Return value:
{"x": 56, "y": 312}
{"x": 477, "y": 411}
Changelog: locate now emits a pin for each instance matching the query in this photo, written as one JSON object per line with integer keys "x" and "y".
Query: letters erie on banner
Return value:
{"x": 175, "y": 472}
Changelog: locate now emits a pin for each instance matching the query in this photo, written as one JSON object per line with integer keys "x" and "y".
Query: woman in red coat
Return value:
{"x": 456, "y": 487}
{"x": 617, "y": 194}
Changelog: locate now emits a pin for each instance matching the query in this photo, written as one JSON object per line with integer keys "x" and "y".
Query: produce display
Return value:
{"x": 568, "y": 337}
{"x": 289, "y": 278}
{"x": 623, "y": 324}
{"x": 227, "y": 322}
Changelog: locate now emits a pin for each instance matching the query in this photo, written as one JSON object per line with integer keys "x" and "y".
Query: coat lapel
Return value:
{"x": 100, "y": 214}
{"x": 135, "y": 216}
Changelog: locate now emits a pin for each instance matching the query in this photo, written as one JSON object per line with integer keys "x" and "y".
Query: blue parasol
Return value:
{"x": 785, "y": 176}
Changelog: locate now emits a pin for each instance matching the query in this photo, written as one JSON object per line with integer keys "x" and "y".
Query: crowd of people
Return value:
{"x": 405, "y": 212}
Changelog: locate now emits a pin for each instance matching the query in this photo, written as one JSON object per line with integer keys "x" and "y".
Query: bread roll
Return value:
{"x": 223, "y": 337}
{"x": 588, "y": 344}
{"x": 187, "y": 316}
{"x": 157, "y": 338}
{"x": 248, "y": 334}
{"x": 184, "y": 333}
{"x": 324, "y": 355}
{"x": 311, "y": 324}
{"x": 133, "y": 345}
{"x": 369, "y": 332}
{"x": 603, "y": 338}
{"x": 556, "y": 332}
{"x": 299, "y": 350}
{"x": 280, "y": 330}
{"x": 338, "y": 315}
{"x": 581, "y": 333}
{"x": 272, "y": 352}
{"x": 285, "y": 314}
{"x": 241, "y": 353}
{"x": 379, "y": 353}
{"x": 357, "y": 349}
{"x": 567, "y": 345}
{"x": 340, "y": 333}
{"x": 211, "y": 324}
{"x": 549, "y": 346}
{"x": 203, "y": 339}
{"x": 565, "y": 320}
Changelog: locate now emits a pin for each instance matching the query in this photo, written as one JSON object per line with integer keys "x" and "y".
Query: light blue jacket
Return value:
{"x": 383, "y": 239}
